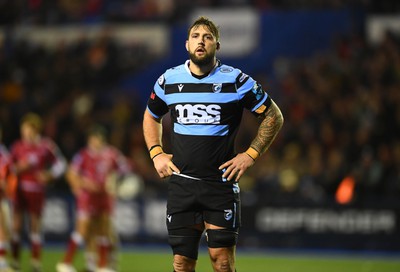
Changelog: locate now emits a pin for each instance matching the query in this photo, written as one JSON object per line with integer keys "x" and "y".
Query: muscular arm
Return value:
{"x": 269, "y": 128}
{"x": 152, "y": 130}
{"x": 272, "y": 121}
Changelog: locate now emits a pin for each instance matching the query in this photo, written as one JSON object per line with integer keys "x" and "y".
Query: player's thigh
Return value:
{"x": 82, "y": 225}
{"x": 221, "y": 204}
{"x": 3, "y": 224}
{"x": 104, "y": 223}
{"x": 33, "y": 202}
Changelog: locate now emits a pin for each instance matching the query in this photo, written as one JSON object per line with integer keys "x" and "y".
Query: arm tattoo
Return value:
{"x": 269, "y": 128}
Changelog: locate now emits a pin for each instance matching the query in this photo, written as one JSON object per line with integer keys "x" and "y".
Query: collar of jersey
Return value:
{"x": 217, "y": 64}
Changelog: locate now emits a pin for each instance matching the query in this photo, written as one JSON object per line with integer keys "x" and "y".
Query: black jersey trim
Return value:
{"x": 200, "y": 88}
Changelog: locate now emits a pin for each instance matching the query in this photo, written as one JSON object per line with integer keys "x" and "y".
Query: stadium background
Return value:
{"x": 332, "y": 66}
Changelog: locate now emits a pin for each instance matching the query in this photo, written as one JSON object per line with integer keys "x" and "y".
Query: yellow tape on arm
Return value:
{"x": 252, "y": 153}
{"x": 155, "y": 151}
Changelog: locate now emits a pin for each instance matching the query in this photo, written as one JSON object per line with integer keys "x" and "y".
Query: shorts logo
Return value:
{"x": 228, "y": 214}
{"x": 169, "y": 218}
{"x": 217, "y": 87}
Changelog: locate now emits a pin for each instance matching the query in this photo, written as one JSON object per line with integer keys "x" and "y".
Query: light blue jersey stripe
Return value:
{"x": 201, "y": 130}
{"x": 201, "y": 98}
{"x": 248, "y": 85}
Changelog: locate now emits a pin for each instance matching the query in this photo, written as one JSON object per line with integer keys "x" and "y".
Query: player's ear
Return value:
{"x": 218, "y": 45}
{"x": 186, "y": 45}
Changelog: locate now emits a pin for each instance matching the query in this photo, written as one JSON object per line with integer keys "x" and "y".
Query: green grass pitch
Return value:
{"x": 137, "y": 260}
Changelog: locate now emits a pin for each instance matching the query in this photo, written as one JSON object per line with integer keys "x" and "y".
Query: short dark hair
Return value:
{"x": 214, "y": 29}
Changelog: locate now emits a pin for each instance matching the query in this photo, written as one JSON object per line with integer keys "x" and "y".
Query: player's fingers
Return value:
{"x": 173, "y": 167}
{"x": 233, "y": 174}
{"x": 225, "y": 165}
{"x": 169, "y": 171}
{"x": 228, "y": 171}
{"x": 239, "y": 175}
{"x": 161, "y": 174}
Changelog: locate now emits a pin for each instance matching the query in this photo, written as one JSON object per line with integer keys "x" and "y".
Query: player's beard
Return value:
{"x": 204, "y": 60}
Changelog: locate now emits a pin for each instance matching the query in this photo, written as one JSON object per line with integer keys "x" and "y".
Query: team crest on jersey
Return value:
{"x": 217, "y": 87}
{"x": 161, "y": 80}
{"x": 228, "y": 214}
{"x": 226, "y": 70}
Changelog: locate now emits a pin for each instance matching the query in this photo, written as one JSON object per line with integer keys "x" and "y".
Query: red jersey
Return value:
{"x": 41, "y": 155}
{"x": 5, "y": 162}
{"x": 98, "y": 165}
{"x": 8, "y": 181}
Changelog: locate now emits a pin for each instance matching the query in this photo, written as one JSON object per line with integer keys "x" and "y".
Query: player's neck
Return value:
{"x": 201, "y": 70}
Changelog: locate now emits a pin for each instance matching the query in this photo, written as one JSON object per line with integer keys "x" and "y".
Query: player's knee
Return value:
{"x": 185, "y": 242}
{"x": 217, "y": 238}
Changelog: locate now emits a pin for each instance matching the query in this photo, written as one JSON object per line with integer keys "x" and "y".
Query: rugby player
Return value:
{"x": 37, "y": 161}
{"x": 87, "y": 175}
{"x": 206, "y": 100}
{"x": 7, "y": 190}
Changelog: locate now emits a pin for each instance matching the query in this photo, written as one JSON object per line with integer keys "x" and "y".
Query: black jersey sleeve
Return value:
{"x": 156, "y": 104}
{"x": 253, "y": 97}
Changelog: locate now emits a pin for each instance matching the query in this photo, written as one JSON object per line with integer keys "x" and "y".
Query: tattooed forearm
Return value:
{"x": 269, "y": 128}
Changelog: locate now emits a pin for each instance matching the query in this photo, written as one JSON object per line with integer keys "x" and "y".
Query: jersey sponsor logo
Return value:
{"x": 180, "y": 87}
{"x": 161, "y": 80}
{"x": 217, "y": 87}
{"x": 226, "y": 70}
{"x": 198, "y": 114}
{"x": 228, "y": 214}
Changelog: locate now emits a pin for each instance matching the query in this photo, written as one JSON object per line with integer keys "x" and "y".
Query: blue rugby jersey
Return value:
{"x": 205, "y": 115}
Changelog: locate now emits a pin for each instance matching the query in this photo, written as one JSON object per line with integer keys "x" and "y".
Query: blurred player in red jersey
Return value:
{"x": 7, "y": 187}
{"x": 37, "y": 161}
{"x": 88, "y": 174}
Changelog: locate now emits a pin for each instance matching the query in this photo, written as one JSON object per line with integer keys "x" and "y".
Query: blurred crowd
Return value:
{"x": 341, "y": 107}
{"x": 342, "y": 119}
{"x": 50, "y": 12}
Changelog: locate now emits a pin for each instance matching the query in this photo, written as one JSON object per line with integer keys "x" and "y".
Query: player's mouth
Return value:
{"x": 200, "y": 50}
